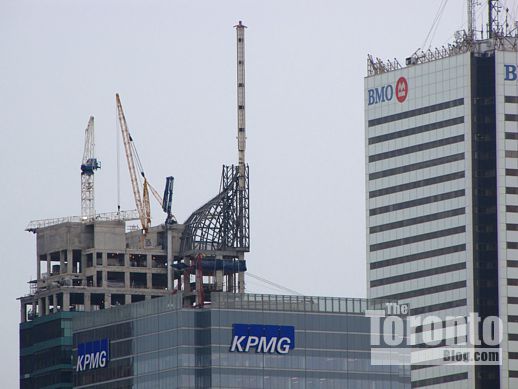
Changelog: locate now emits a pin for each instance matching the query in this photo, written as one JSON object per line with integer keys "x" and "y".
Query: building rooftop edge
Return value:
{"x": 462, "y": 44}
{"x": 231, "y": 301}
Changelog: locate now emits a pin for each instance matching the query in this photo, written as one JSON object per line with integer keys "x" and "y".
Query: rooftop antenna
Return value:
{"x": 471, "y": 18}
{"x": 492, "y": 23}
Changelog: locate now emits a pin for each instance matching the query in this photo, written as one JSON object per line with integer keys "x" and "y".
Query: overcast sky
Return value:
{"x": 173, "y": 62}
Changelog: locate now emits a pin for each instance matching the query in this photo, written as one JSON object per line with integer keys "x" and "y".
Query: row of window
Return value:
{"x": 418, "y": 274}
{"x": 416, "y": 148}
{"x": 416, "y": 166}
{"x": 417, "y": 238}
{"x": 416, "y": 112}
{"x": 417, "y": 202}
{"x": 417, "y": 220}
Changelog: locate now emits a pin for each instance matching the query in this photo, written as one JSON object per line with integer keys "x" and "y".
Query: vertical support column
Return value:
{"x": 70, "y": 262}
{"x": 23, "y": 309}
{"x": 149, "y": 280}
{"x": 241, "y": 282}
{"x": 38, "y": 267}
{"x": 219, "y": 280}
{"x": 104, "y": 272}
{"x": 62, "y": 262}
{"x": 187, "y": 277}
{"x": 107, "y": 300}
{"x": 41, "y": 306}
{"x": 127, "y": 279}
{"x": 218, "y": 275}
{"x": 200, "y": 297}
{"x": 49, "y": 266}
{"x": 66, "y": 301}
{"x": 127, "y": 299}
{"x": 88, "y": 301}
{"x": 47, "y": 305}
{"x": 241, "y": 276}
{"x": 169, "y": 259}
{"x": 230, "y": 282}
{"x": 34, "y": 308}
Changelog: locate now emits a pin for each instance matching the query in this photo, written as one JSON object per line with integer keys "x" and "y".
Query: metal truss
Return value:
{"x": 222, "y": 224}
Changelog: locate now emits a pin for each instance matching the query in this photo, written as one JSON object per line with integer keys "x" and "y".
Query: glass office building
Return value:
{"x": 45, "y": 352}
{"x": 160, "y": 344}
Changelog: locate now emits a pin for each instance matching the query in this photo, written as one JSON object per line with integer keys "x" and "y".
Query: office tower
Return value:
{"x": 241, "y": 340}
{"x": 441, "y": 138}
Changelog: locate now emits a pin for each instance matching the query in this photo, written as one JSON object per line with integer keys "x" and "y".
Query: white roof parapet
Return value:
{"x": 109, "y": 216}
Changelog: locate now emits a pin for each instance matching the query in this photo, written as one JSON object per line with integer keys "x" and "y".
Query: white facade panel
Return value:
{"x": 445, "y": 81}
{"x": 506, "y": 88}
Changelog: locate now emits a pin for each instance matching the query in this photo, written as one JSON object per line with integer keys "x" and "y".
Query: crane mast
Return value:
{"x": 242, "y": 197}
{"x": 141, "y": 201}
{"x": 167, "y": 200}
{"x": 241, "y": 119}
{"x": 88, "y": 167}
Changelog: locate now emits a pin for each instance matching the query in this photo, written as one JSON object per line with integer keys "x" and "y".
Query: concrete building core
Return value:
{"x": 97, "y": 265}
{"x": 92, "y": 266}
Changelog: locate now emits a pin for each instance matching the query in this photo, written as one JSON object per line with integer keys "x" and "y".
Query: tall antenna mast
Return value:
{"x": 241, "y": 120}
{"x": 471, "y": 18}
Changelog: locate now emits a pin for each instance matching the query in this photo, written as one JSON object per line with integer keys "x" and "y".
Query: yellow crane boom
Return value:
{"x": 141, "y": 201}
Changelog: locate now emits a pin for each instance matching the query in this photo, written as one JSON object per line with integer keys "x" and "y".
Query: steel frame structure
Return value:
{"x": 222, "y": 224}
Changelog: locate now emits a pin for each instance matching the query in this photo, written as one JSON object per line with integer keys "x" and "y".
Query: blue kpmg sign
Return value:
{"x": 92, "y": 355}
{"x": 262, "y": 338}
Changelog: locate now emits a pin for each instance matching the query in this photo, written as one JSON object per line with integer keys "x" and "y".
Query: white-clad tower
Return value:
{"x": 441, "y": 137}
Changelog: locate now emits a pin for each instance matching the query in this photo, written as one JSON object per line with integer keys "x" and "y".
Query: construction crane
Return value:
{"x": 168, "y": 200}
{"x": 242, "y": 193}
{"x": 241, "y": 118}
{"x": 88, "y": 167}
{"x": 141, "y": 199}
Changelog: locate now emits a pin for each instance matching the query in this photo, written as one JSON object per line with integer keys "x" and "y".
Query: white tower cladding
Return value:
{"x": 442, "y": 196}
{"x": 506, "y": 100}
{"x": 418, "y": 195}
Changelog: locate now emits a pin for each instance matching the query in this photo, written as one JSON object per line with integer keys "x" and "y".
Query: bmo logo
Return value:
{"x": 387, "y": 92}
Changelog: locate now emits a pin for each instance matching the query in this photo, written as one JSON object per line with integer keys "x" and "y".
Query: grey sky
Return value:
{"x": 173, "y": 62}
